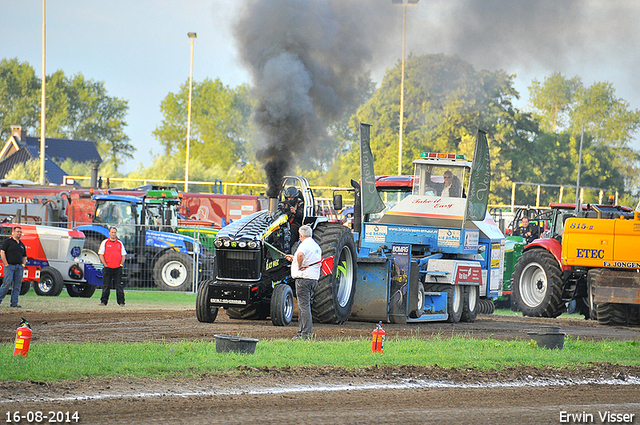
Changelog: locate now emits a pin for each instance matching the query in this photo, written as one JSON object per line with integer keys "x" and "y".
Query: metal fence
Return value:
{"x": 161, "y": 257}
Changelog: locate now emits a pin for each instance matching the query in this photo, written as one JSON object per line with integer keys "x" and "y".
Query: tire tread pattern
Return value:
{"x": 204, "y": 312}
{"x": 329, "y": 236}
{"x": 278, "y": 298}
{"x": 552, "y": 305}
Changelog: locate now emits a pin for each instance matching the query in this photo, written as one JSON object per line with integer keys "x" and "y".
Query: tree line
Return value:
{"x": 446, "y": 100}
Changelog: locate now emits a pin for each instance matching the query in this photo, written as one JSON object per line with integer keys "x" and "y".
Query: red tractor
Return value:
{"x": 542, "y": 283}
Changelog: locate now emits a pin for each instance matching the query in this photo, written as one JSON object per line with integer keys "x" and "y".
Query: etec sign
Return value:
{"x": 590, "y": 253}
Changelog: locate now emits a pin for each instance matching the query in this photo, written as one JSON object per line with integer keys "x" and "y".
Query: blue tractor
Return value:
{"x": 431, "y": 253}
{"x": 154, "y": 252}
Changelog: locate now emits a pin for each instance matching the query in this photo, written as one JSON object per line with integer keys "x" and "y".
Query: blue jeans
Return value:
{"x": 12, "y": 277}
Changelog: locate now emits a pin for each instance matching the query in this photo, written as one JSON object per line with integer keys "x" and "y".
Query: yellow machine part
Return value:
{"x": 593, "y": 242}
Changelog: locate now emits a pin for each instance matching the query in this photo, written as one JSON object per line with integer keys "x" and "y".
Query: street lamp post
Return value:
{"x": 192, "y": 36}
{"x": 404, "y": 4}
{"x": 43, "y": 99}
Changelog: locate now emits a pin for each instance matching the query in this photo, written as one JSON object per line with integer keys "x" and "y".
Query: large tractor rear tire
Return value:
{"x": 281, "y": 305}
{"x": 204, "y": 311}
{"x": 335, "y": 293}
{"x": 51, "y": 282}
{"x": 537, "y": 284}
{"x": 618, "y": 314}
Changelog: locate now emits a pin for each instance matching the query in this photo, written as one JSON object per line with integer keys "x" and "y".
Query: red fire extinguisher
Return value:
{"x": 377, "y": 345}
{"x": 23, "y": 339}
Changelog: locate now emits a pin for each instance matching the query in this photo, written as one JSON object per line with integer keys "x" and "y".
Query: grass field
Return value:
{"x": 61, "y": 361}
{"x": 56, "y": 361}
{"x": 149, "y": 300}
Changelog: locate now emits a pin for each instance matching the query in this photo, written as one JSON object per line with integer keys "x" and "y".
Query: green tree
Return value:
{"x": 77, "y": 108}
{"x": 446, "y": 102}
{"x": 20, "y": 92}
{"x": 553, "y": 100}
{"x": 29, "y": 170}
{"x": 341, "y": 137}
{"x": 609, "y": 126}
{"x": 81, "y": 109}
{"x": 219, "y": 123}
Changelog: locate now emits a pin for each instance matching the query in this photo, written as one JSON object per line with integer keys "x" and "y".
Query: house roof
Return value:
{"x": 53, "y": 173}
{"x": 61, "y": 149}
{"x": 20, "y": 157}
{"x": 16, "y": 151}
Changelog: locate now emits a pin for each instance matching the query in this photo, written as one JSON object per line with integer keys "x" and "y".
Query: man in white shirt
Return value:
{"x": 305, "y": 269}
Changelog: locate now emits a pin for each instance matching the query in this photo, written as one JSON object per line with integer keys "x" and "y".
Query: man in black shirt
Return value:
{"x": 529, "y": 231}
{"x": 14, "y": 258}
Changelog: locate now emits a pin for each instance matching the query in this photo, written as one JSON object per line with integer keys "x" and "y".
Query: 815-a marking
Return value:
{"x": 38, "y": 417}
{"x": 581, "y": 226}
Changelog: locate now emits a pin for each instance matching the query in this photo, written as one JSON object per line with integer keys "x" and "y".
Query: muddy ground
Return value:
{"x": 321, "y": 395}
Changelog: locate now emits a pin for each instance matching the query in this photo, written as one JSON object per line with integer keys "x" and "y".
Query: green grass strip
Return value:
{"x": 58, "y": 361}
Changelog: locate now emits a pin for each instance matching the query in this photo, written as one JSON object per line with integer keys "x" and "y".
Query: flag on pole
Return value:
{"x": 480, "y": 180}
{"x": 371, "y": 201}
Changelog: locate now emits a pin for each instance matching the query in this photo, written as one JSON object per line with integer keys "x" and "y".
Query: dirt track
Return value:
{"x": 319, "y": 395}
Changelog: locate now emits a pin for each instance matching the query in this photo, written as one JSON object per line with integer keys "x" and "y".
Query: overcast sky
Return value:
{"x": 141, "y": 51}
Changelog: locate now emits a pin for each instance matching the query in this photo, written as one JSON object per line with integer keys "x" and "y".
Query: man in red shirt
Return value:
{"x": 112, "y": 254}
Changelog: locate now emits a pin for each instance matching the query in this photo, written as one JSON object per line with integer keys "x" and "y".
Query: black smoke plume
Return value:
{"x": 304, "y": 57}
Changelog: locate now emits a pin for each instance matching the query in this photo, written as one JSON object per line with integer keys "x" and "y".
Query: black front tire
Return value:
{"x": 335, "y": 293}
{"x": 282, "y": 305}
{"x": 51, "y": 283}
{"x": 537, "y": 284}
{"x": 25, "y": 287}
{"x": 80, "y": 290}
{"x": 204, "y": 311}
{"x": 256, "y": 311}
{"x": 173, "y": 271}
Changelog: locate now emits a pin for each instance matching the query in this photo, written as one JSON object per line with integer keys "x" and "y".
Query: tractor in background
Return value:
{"x": 53, "y": 261}
{"x": 587, "y": 257}
{"x": 146, "y": 228}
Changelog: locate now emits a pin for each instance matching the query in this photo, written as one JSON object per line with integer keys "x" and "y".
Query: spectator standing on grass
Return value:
{"x": 305, "y": 269}
{"x": 14, "y": 258}
{"x": 112, "y": 255}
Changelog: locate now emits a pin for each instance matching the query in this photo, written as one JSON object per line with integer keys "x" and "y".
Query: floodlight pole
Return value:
{"x": 404, "y": 31}
{"x": 578, "y": 200}
{"x": 43, "y": 99}
{"x": 192, "y": 36}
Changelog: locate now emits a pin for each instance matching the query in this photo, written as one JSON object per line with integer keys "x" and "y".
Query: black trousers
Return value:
{"x": 112, "y": 278}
